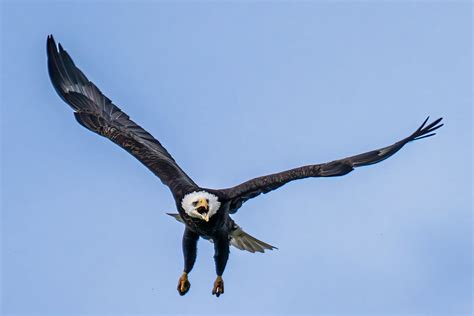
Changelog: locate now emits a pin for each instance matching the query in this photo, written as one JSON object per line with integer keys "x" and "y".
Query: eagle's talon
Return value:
{"x": 183, "y": 284}
{"x": 218, "y": 287}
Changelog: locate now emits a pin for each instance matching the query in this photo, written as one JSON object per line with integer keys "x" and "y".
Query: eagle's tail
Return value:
{"x": 243, "y": 241}
{"x": 239, "y": 239}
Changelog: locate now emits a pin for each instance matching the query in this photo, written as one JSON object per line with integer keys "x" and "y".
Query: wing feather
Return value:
{"x": 97, "y": 113}
{"x": 252, "y": 188}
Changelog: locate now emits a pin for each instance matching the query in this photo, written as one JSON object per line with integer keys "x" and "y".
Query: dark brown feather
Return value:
{"x": 252, "y": 188}
{"x": 97, "y": 113}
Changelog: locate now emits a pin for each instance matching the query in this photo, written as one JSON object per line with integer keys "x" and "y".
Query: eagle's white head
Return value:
{"x": 200, "y": 205}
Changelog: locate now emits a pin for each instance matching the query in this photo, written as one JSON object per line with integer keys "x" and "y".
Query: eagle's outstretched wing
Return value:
{"x": 250, "y": 189}
{"x": 97, "y": 113}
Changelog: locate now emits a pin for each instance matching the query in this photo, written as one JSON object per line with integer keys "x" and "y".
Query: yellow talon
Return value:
{"x": 218, "y": 286}
{"x": 183, "y": 284}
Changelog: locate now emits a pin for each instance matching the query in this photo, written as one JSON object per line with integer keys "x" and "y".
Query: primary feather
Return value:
{"x": 252, "y": 188}
{"x": 97, "y": 113}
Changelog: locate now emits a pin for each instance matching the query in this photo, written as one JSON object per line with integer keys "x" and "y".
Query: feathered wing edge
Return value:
{"x": 239, "y": 239}
{"x": 97, "y": 113}
{"x": 252, "y": 188}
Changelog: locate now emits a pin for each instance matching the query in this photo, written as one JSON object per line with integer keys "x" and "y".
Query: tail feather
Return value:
{"x": 239, "y": 239}
{"x": 243, "y": 241}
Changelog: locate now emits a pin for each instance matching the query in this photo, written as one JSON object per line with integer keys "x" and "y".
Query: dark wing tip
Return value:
{"x": 425, "y": 136}
{"x": 50, "y": 42}
{"x": 57, "y": 72}
{"x": 426, "y": 131}
{"x": 50, "y": 46}
{"x": 64, "y": 74}
{"x": 424, "y": 122}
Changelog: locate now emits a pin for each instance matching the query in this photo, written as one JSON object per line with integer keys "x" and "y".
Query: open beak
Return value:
{"x": 203, "y": 209}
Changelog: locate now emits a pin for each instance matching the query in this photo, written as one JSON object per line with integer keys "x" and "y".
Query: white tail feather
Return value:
{"x": 239, "y": 239}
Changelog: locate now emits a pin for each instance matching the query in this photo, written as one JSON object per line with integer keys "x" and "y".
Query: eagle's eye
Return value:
{"x": 195, "y": 203}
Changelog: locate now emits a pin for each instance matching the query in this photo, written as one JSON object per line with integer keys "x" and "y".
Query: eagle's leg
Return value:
{"x": 190, "y": 240}
{"x": 221, "y": 255}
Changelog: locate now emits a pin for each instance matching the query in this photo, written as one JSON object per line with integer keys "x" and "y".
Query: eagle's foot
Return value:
{"x": 183, "y": 285}
{"x": 218, "y": 286}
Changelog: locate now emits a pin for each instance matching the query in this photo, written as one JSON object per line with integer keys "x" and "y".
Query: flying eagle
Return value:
{"x": 204, "y": 212}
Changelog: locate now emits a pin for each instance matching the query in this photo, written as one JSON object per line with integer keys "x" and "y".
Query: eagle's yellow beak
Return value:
{"x": 202, "y": 203}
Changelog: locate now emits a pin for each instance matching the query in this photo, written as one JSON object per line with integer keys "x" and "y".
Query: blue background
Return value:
{"x": 235, "y": 90}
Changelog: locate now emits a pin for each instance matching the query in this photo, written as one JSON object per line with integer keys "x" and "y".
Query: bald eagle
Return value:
{"x": 205, "y": 212}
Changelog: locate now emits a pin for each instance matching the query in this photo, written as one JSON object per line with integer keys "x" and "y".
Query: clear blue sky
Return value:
{"x": 236, "y": 90}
